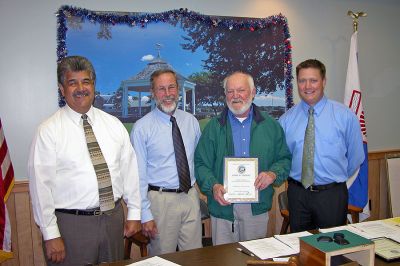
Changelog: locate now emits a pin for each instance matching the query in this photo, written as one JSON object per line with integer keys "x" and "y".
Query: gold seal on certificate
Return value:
{"x": 239, "y": 177}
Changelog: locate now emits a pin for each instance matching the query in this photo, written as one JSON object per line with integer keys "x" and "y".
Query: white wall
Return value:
{"x": 319, "y": 29}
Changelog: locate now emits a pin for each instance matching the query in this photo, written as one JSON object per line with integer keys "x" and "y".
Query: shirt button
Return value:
{"x": 244, "y": 153}
{"x": 244, "y": 139}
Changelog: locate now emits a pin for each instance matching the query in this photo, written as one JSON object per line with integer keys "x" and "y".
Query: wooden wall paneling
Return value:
{"x": 23, "y": 211}
{"x": 38, "y": 254}
{"x": 384, "y": 211}
{"x": 374, "y": 188}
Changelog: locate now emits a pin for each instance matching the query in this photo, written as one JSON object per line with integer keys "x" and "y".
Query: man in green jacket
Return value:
{"x": 241, "y": 130}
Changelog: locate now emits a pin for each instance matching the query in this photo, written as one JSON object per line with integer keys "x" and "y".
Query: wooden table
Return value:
{"x": 222, "y": 255}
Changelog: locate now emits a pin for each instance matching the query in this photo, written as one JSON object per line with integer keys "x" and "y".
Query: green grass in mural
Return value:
{"x": 202, "y": 122}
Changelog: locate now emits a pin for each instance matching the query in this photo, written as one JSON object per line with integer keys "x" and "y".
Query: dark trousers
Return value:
{"x": 92, "y": 239}
{"x": 317, "y": 209}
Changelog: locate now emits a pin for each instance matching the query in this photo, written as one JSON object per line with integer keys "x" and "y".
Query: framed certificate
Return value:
{"x": 239, "y": 177}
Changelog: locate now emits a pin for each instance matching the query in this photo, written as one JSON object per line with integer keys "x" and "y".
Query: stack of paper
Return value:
{"x": 280, "y": 245}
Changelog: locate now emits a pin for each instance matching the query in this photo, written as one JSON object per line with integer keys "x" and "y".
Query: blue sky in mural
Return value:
{"x": 130, "y": 49}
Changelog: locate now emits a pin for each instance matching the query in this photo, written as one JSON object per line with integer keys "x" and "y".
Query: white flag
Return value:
{"x": 358, "y": 184}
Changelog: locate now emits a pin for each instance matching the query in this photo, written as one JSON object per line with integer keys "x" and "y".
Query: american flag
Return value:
{"x": 6, "y": 185}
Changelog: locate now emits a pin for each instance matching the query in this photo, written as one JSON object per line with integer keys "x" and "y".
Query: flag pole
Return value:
{"x": 358, "y": 205}
{"x": 355, "y": 17}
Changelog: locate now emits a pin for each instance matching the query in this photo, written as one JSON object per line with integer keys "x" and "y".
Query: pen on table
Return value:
{"x": 245, "y": 252}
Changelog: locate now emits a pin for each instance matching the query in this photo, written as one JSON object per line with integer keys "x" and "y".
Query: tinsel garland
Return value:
{"x": 142, "y": 19}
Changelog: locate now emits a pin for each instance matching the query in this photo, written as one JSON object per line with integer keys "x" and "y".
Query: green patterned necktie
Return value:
{"x": 307, "y": 166}
{"x": 106, "y": 196}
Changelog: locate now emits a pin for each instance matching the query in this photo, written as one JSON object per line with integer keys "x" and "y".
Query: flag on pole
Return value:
{"x": 6, "y": 185}
{"x": 358, "y": 189}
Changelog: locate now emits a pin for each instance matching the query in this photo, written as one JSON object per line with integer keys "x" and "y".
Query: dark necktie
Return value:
{"x": 180, "y": 157}
{"x": 106, "y": 196}
{"x": 307, "y": 173}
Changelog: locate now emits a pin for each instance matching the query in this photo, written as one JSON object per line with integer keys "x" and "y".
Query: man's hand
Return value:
{"x": 149, "y": 229}
{"x": 55, "y": 250}
{"x": 264, "y": 179}
{"x": 131, "y": 227}
{"x": 218, "y": 192}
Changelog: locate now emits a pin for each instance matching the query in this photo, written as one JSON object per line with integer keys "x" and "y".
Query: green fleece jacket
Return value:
{"x": 267, "y": 143}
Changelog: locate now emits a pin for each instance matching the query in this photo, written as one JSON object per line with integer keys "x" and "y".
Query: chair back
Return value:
{"x": 283, "y": 201}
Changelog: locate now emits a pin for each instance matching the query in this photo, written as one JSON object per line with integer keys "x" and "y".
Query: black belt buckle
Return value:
{"x": 97, "y": 212}
{"x": 312, "y": 189}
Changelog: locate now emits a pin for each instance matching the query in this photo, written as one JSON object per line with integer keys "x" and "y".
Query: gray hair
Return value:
{"x": 250, "y": 79}
{"x": 74, "y": 64}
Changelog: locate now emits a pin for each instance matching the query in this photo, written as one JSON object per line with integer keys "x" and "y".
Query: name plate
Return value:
{"x": 239, "y": 177}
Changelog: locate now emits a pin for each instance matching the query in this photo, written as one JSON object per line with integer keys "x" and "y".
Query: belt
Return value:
{"x": 90, "y": 212}
{"x": 314, "y": 188}
{"x": 161, "y": 189}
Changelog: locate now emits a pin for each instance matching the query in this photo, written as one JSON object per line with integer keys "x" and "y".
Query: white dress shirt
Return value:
{"x": 61, "y": 173}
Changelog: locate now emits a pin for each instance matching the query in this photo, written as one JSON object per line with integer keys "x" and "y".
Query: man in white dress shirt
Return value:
{"x": 63, "y": 181}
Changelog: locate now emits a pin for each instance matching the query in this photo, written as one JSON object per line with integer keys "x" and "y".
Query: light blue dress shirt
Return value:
{"x": 338, "y": 142}
{"x": 151, "y": 137}
{"x": 241, "y": 134}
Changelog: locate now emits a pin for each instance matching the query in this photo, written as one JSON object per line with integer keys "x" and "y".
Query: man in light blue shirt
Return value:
{"x": 338, "y": 152}
{"x": 170, "y": 216}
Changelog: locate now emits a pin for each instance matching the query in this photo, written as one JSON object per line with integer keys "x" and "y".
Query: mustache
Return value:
{"x": 170, "y": 98}
{"x": 81, "y": 93}
{"x": 236, "y": 101}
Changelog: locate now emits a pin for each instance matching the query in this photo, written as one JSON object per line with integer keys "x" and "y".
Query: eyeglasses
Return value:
{"x": 170, "y": 88}
{"x": 338, "y": 238}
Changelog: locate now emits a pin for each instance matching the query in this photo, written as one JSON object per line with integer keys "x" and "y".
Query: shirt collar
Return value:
{"x": 248, "y": 118}
{"x": 165, "y": 118}
{"x": 77, "y": 117}
{"x": 317, "y": 108}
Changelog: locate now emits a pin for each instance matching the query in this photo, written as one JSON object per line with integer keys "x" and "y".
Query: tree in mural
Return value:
{"x": 208, "y": 91}
{"x": 258, "y": 52}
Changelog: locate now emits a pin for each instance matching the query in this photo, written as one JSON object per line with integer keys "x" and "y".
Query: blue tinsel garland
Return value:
{"x": 142, "y": 19}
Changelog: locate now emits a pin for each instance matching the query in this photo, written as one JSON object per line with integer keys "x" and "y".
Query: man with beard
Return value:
{"x": 81, "y": 164}
{"x": 170, "y": 203}
{"x": 241, "y": 130}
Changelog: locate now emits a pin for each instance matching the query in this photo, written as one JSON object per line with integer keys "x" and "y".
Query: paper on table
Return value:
{"x": 377, "y": 228}
{"x": 266, "y": 248}
{"x": 154, "y": 261}
{"x": 348, "y": 228}
{"x": 292, "y": 240}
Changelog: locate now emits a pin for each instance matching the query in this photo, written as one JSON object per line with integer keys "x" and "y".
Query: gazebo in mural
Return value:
{"x": 141, "y": 83}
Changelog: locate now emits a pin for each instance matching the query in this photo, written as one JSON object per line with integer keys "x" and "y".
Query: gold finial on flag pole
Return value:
{"x": 355, "y": 17}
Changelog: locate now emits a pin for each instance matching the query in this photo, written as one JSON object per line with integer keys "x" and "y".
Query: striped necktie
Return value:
{"x": 180, "y": 157}
{"x": 307, "y": 173}
{"x": 106, "y": 196}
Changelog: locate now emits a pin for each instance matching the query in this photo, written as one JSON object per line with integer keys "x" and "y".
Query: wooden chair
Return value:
{"x": 284, "y": 209}
{"x": 138, "y": 239}
{"x": 293, "y": 261}
{"x": 354, "y": 212}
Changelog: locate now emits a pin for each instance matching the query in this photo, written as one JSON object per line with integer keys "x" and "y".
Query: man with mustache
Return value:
{"x": 81, "y": 164}
{"x": 317, "y": 191}
{"x": 241, "y": 130}
{"x": 170, "y": 210}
